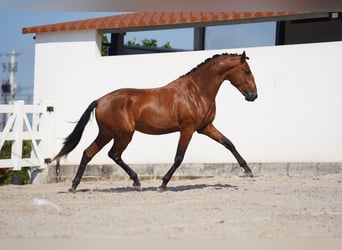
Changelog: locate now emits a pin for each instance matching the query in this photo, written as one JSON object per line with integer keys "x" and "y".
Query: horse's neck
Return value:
{"x": 210, "y": 77}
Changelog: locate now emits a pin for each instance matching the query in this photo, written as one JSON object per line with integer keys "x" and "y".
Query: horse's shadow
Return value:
{"x": 168, "y": 189}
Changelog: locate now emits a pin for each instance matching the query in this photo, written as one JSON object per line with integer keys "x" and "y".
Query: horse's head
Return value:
{"x": 242, "y": 78}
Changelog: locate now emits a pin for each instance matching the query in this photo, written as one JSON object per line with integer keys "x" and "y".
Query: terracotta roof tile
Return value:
{"x": 140, "y": 20}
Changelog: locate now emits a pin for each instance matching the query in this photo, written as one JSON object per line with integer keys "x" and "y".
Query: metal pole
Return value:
{"x": 12, "y": 71}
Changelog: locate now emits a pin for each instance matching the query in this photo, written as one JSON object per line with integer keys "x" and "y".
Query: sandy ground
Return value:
{"x": 276, "y": 207}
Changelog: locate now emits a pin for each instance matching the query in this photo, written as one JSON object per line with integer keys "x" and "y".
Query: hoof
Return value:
{"x": 137, "y": 188}
{"x": 72, "y": 190}
{"x": 161, "y": 189}
{"x": 247, "y": 174}
{"x": 137, "y": 185}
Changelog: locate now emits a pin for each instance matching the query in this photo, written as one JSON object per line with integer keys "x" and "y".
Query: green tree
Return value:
{"x": 105, "y": 45}
{"x": 133, "y": 42}
{"x": 167, "y": 45}
{"x": 147, "y": 43}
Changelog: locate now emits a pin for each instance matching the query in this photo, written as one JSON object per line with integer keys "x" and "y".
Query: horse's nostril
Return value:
{"x": 250, "y": 96}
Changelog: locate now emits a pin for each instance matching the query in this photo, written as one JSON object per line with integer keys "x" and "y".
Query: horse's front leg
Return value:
{"x": 185, "y": 137}
{"x": 216, "y": 135}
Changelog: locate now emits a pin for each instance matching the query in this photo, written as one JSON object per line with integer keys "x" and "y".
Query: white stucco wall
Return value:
{"x": 297, "y": 117}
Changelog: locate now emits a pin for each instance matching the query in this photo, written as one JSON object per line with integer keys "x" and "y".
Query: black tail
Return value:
{"x": 74, "y": 138}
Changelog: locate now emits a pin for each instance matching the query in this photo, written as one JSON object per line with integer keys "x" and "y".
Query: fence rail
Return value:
{"x": 26, "y": 122}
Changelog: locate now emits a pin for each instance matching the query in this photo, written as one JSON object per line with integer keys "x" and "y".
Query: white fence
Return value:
{"x": 27, "y": 122}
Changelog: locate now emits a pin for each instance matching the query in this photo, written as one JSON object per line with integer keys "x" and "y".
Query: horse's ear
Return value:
{"x": 244, "y": 57}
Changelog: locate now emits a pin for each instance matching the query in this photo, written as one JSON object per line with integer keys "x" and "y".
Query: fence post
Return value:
{"x": 47, "y": 123}
{"x": 18, "y": 127}
{"x": 44, "y": 123}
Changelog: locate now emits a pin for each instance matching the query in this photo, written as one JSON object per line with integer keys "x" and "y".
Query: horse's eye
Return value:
{"x": 247, "y": 72}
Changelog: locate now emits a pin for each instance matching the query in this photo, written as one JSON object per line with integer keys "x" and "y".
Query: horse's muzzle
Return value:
{"x": 251, "y": 96}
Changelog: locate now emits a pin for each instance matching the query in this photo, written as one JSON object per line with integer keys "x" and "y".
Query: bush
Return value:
{"x": 6, "y": 175}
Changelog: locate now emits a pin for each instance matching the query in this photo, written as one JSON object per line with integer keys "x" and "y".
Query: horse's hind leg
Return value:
{"x": 120, "y": 144}
{"x": 100, "y": 141}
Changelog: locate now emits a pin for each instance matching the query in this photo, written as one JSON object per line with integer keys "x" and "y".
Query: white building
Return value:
{"x": 297, "y": 117}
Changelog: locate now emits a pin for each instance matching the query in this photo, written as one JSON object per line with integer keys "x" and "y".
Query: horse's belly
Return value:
{"x": 155, "y": 117}
{"x": 155, "y": 128}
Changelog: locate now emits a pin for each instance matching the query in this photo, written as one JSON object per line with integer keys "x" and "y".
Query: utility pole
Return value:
{"x": 8, "y": 86}
{"x": 13, "y": 68}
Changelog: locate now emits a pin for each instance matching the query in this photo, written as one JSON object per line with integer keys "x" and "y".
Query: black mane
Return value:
{"x": 208, "y": 60}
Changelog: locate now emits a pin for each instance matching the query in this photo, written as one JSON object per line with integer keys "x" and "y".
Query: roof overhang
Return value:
{"x": 140, "y": 21}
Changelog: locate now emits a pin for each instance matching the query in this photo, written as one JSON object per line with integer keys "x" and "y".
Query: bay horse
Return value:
{"x": 186, "y": 104}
